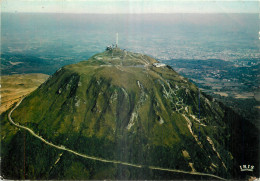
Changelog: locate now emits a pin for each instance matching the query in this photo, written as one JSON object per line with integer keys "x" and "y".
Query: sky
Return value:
{"x": 130, "y": 6}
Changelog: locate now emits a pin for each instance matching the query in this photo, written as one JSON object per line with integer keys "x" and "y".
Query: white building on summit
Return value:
{"x": 159, "y": 65}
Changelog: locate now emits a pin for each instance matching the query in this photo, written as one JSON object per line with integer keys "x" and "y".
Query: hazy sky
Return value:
{"x": 130, "y": 6}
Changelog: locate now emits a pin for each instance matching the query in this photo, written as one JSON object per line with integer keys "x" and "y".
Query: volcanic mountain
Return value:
{"x": 123, "y": 115}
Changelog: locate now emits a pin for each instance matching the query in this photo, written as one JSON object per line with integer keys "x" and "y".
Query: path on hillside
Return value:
{"x": 61, "y": 147}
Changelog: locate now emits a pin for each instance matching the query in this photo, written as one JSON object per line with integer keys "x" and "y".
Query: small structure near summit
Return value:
{"x": 159, "y": 65}
{"x": 111, "y": 47}
{"x": 116, "y": 40}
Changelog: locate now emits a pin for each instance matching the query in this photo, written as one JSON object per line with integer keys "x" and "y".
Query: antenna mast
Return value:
{"x": 116, "y": 39}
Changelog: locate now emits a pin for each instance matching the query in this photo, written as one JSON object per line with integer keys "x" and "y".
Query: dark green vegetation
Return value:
{"x": 118, "y": 106}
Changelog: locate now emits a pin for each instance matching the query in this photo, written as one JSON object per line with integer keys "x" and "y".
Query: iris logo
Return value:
{"x": 249, "y": 168}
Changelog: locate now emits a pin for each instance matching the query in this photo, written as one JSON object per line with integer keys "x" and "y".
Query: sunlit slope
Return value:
{"x": 118, "y": 106}
{"x": 15, "y": 86}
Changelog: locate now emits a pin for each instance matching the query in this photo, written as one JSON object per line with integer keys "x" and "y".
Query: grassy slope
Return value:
{"x": 15, "y": 86}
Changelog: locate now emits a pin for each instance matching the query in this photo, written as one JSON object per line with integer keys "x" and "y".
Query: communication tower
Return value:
{"x": 116, "y": 40}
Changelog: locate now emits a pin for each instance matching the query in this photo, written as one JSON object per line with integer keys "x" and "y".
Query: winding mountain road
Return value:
{"x": 101, "y": 159}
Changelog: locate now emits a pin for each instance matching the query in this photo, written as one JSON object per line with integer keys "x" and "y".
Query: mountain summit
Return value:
{"x": 122, "y": 115}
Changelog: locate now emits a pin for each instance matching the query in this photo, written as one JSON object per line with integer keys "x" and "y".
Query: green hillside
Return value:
{"x": 119, "y": 106}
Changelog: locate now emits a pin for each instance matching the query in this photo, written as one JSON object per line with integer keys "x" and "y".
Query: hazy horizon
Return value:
{"x": 130, "y": 7}
{"x": 191, "y": 36}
